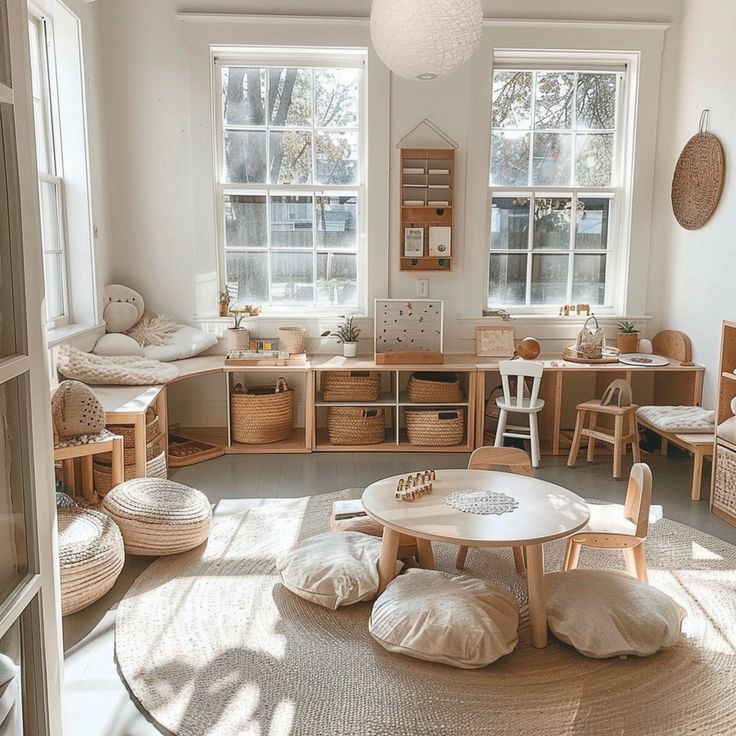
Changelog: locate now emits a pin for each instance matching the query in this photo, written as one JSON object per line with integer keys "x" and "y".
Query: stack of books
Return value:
{"x": 350, "y": 509}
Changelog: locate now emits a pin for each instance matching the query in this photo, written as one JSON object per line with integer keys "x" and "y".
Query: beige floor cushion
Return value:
{"x": 454, "y": 619}
{"x": 604, "y": 613}
{"x": 333, "y": 569}
{"x": 678, "y": 418}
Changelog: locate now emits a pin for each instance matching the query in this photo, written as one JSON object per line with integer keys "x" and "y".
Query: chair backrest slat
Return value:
{"x": 639, "y": 498}
{"x": 498, "y": 458}
{"x": 520, "y": 369}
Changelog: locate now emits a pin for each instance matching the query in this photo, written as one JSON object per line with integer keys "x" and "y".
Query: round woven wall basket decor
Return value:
{"x": 698, "y": 180}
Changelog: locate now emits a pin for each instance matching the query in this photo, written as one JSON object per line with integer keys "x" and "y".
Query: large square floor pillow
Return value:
{"x": 452, "y": 619}
{"x": 333, "y": 569}
{"x": 603, "y": 613}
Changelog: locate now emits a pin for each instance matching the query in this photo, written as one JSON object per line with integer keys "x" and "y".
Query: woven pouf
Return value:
{"x": 91, "y": 557}
{"x": 159, "y": 517}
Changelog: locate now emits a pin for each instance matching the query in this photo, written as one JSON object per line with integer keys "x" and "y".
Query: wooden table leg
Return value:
{"x": 140, "y": 446}
{"x": 68, "y": 475}
{"x": 117, "y": 471}
{"x": 387, "y": 560}
{"x": 424, "y": 550}
{"x": 697, "y": 472}
{"x": 88, "y": 489}
{"x": 537, "y": 604}
{"x": 557, "y": 413}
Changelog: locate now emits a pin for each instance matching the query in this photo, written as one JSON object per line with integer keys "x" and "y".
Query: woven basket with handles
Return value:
{"x": 435, "y": 427}
{"x": 591, "y": 340}
{"x": 262, "y": 414}
{"x": 351, "y": 385}
{"x": 434, "y": 388}
{"x": 355, "y": 425}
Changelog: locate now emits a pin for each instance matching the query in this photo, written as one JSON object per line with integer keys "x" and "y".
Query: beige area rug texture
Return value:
{"x": 210, "y": 643}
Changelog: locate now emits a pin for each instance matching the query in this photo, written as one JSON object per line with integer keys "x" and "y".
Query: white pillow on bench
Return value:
{"x": 452, "y": 619}
{"x": 673, "y": 419}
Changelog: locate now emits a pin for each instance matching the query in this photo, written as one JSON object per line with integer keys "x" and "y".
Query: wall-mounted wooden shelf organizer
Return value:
{"x": 427, "y": 200}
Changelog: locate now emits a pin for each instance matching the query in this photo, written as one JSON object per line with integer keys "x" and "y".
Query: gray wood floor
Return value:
{"x": 96, "y": 701}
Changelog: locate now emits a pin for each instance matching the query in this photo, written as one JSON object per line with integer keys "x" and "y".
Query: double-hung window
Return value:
{"x": 50, "y": 175}
{"x": 290, "y": 172}
{"x": 556, "y": 166}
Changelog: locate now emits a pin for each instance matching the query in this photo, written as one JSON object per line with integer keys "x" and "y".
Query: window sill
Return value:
{"x": 572, "y": 318}
{"x": 72, "y": 332}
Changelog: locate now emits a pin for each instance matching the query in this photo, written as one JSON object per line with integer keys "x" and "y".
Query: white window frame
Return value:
{"x": 617, "y": 251}
{"x": 278, "y": 56}
{"x": 52, "y": 173}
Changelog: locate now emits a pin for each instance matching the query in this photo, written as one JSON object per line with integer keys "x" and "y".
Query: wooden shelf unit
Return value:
{"x": 427, "y": 200}
{"x": 723, "y": 477}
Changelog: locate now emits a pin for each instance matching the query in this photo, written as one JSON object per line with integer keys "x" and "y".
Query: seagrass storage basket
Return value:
{"x": 262, "y": 414}
{"x": 724, "y": 485}
{"x": 356, "y": 425}
{"x": 155, "y": 467}
{"x": 435, "y": 427}
{"x": 127, "y": 432}
{"x": 434, "y": 388}
{"x": 351, "y": 385}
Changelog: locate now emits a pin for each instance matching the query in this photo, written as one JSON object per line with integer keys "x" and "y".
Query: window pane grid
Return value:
{"x": 289, "y": 239}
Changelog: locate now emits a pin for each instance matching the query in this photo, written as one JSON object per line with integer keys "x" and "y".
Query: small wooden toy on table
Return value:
{"x": 414, "y": 486}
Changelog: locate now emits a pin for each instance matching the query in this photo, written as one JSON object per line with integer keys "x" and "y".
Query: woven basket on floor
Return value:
{"x": 262, "y": 414}
{"x": 153, "y": 449}
{"x": 159, "y": 517}
{"x": 102, "y": 471}
{"x": 91, "y": 556}
{"x": 351, "y": 385}
{"x": 354, "y": 425}
{"x": 435, "y": 427}
{"x": 292, "y": 340}
{"x": 434, "y": 388}
{"x": 127, "y": 432}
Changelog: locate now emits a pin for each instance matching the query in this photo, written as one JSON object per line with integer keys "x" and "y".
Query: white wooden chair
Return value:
{"x": 519, "y": 404}
{"x": 612, "y": 526}
{"x": 499, "y": 458}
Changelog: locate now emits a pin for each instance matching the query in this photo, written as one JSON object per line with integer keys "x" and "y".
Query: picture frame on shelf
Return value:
{"x": 413, "y": 242}
{"x": 494, "y": 341}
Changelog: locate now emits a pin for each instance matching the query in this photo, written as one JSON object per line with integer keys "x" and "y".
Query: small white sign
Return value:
{"x": 413, "y": 242}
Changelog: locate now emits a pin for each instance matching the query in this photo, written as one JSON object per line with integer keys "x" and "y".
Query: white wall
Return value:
{"x": 160, "y": 228}
{"x": 691, "y": 274}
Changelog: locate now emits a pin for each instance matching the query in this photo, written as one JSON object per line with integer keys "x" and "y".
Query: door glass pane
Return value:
{"x": 246, "y": 221}
{"x": 337, "y": 221}
{"x": 5, "y": 76}
{"x": 11, "y": 710}
{"x": 10, "y": 236}
{"x": 13, "y": 482}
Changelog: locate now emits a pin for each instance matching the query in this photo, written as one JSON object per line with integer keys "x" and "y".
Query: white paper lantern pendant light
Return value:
{"x": 424, "y": 39}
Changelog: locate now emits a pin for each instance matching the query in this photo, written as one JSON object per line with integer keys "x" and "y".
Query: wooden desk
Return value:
{"x": 673, "y": 384}
{"x": 128, "y": 405}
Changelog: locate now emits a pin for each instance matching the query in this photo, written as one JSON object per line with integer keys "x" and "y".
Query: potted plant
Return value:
{"x": 225, "y": 300}
{"x": 346, "y": 333}
{"x": 627, "y": 337}
{"x": 237, "y": 335}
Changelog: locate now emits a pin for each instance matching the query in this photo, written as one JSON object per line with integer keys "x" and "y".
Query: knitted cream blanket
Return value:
{"x": 124, "y": 370}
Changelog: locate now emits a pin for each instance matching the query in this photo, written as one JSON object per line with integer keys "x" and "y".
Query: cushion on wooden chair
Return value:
{"x": 332, "y": 569}
{"x": 604, "y": 613}
{"x": 678, "y": 418}
{"x": 158, "y": 516}
{"x": 456, "y": 620}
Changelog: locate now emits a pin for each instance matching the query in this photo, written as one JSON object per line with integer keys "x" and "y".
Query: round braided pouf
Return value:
{"x": 158, "y": 516}
{"x": 91, "y": 557}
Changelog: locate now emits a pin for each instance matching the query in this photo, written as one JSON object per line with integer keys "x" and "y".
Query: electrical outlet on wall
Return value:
{"x": 423, "y": 288}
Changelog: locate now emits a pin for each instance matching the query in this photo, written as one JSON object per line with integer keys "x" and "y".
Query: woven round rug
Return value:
{"x": 209, "y": 642}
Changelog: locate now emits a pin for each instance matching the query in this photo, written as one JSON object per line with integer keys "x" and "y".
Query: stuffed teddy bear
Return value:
{"x": 122, "y": 307}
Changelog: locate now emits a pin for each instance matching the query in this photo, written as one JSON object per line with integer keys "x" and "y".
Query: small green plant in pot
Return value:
{"x": 224, "y": 301}
{"x": 238, "y": 337}
{"x": 627, "y": 337}
{"x": 346, "y": 333}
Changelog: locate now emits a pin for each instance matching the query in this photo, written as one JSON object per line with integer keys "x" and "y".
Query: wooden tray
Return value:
{"x": 183, "y": 451}
{"x": 587, "y": 361}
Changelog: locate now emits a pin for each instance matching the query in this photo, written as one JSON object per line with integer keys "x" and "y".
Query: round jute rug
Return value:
{"x": 210, "y": 642}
